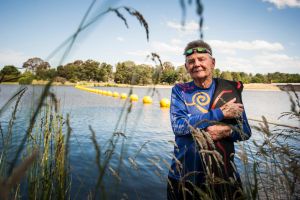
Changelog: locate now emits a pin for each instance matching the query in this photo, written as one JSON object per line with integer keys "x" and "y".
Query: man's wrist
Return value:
{"x": 219, "y": 114}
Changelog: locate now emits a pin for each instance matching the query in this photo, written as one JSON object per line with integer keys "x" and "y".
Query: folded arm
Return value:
{"x": 181, "y": 119}
{"x": 239, "y": 132}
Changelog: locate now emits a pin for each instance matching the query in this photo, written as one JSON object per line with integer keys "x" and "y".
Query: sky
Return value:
{"x": 253, "y": 36}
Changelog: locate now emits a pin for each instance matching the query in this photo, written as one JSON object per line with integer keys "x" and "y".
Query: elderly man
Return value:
{"x": 207, "y": 117}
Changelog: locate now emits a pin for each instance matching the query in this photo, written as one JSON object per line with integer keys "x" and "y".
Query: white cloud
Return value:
{"x": 176, "y": 41}
{"x": 277, "y": 60}
{"x": 162, "y": 47}
{"x": 10, "y": 57}
{"x": 256, "y": 56}
{"x": 138, "y": 53}
{"x": 280, "y": 4}
{"x": 234, "y": 64}
{"x": 190, "y": 27}
{"x": 231, "y": 47}
{"x": 120, "y": 39}
{"x": 261, "y": 63}
{"x": 166, "y": 50}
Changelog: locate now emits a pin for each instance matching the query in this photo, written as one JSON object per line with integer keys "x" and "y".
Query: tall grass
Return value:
{"x": 49, "y": 175}
{"x": 44, "y": 158}
{"x": 276, "y": 165}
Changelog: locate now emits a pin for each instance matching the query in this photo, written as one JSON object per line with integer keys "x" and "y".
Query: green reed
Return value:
{"x": 44, "y": 158}
{"x": 49, "y": 175}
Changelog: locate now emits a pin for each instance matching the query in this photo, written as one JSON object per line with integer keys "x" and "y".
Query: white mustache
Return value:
{"x": 196, "y": 69}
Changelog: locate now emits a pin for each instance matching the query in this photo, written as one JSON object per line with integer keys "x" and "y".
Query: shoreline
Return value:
{"x": 247, "y": 87}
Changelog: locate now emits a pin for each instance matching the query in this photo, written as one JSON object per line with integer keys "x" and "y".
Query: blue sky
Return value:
{"x": 257, "y": 36}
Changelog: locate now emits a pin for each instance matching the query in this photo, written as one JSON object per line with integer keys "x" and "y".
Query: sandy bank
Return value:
{"x": 261, "y": 86}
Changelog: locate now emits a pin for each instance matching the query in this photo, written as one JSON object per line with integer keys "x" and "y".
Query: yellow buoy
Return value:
{"x": 123, "y": 95}
{"x": 109, "y": 93}
{"x": 147, "y": 100}
{"x": 116, "y": 94}
{"x": 165, "y": 103}
{"x": 104, "y": 92}
{"x": 94, "y": 91}
{"x": 134, "y": 97}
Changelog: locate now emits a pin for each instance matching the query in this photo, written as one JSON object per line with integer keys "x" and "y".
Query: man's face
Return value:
{"x": 200, "y": 65}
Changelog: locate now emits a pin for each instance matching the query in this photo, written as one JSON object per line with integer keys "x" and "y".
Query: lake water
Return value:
{"x": 147, "y": 128}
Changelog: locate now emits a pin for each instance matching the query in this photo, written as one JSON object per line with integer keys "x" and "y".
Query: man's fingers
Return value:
{"x": 236, "y": 109}
{"x": 232, "y": 100}
{"x": 211, "y": 128}
{"x": 239, "y": 105}
{"x": 241, "y": 109}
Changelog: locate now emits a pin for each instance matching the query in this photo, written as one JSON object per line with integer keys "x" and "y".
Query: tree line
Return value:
{"x": 125, "y": 72}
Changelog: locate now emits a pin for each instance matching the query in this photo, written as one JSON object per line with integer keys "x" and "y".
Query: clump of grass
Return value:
{"x": 43, "y": 150}
{"x": 276, "y": 166}
{"x": 49, "y": 176}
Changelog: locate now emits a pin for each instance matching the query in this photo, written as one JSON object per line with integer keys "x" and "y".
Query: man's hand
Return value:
{"x": 232, "y": 109}
{"x": 218, "y": 132}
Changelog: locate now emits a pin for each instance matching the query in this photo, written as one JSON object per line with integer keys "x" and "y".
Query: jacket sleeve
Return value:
{"x": 181, "y": 118}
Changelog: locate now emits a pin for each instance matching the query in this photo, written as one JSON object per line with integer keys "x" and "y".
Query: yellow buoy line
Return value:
{"x": 164, "y": 103}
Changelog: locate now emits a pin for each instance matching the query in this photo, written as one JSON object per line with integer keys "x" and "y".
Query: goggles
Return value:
{"x": 196, "y": 49}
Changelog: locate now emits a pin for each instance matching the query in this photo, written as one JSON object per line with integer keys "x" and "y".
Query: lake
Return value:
{"x": 146, "y": 127}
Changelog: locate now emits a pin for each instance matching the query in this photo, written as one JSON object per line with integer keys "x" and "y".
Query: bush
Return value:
{"x": 73, "y": 80}
{"x": 59, "y": 79}
{"x": 26, "y": 78}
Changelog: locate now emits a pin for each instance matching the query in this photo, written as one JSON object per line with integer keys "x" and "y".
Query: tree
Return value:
{"x": 124, "y": 72}
{"x": 88, "y": 70}
{"x": 104, "y": 73}
{"x": 70, "y": 71}
{"x": 182, "y": 75}
{"x": 226, "y": 75}
{"x": 245, "y": 78}
{"x": 169, "y": 74}
{"x": 259, "y": 78}
{"x": 9, "y": 73}
{"x": 27, "y": 78}
{"x": 35, "y": 63}
{"x": 143, "y": 74}
{"x": 293, "y": 78}
{"x": 45, "y": 74}
{"x": 236, "y": 76}
{"x": 217, "y": 73}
